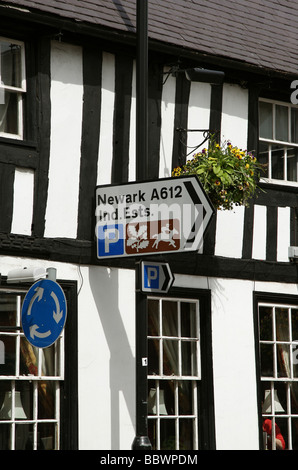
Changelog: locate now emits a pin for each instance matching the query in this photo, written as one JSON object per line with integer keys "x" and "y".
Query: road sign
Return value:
{"x": 44, "y": 313}
{"x": 168, "y": 215}
{"x": 156, "y": 277}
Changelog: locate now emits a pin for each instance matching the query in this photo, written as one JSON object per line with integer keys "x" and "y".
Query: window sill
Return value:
{"x": 277, "y": 183}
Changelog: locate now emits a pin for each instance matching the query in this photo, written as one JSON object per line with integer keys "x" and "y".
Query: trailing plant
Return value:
{"x": 228, "y": 174}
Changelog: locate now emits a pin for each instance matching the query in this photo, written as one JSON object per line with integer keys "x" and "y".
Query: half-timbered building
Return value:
{"x": 222, "y": 342}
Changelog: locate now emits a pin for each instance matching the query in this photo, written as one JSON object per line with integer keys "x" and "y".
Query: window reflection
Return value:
{"x": 279, "y": 372}
{"x": 173, "y": 370}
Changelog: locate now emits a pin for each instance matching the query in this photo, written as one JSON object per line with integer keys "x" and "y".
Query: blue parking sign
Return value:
{"x": 155, "y": 277}
{"x": 110, "y": 240}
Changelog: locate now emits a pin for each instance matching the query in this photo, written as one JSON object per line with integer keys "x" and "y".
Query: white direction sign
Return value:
{"x": 164, "y": 216}
{"x": 156, "y": 277}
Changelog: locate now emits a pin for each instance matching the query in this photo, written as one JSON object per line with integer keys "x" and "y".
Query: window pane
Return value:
{"x": 8, "y": 345}
{"x": 24, "y": 402}
{"x": 24, "y": 437}
{"x": 11, "y": 64}
{"x": 294, "y": 427}
{"x": 188, "y": 320}
{"x": 49, "y": 366}
{"x": 263, "y": 157}
{"x": 292, "y": 164}
{"x": 294, "y": 312}
{"x": 281, "y": 123}
{"x": 162, "y": 395}
{"x": 282, "y": 324}
{"x": 169, "y": 318}
{"x": 5, "y": 400}
{"x": 170, "y": 357}
{"x": 281, "y": 433}
{"x": 153, "y": 318}
{"x": 294, "y": 125}
{"x": 152, "y": 433}
{"x": 265, "y": 320}
{"x": 266, "y": 121}
{"x": 185, "y": 397}
{"x": 46, "y": 433}
{"x": 283, "y": 364}
{"x": 8, "y": 309}
{"x": 267, "y": 360}
{"x": 294, "y": 399}
{"x": 167, "y": 434}
{"x": 9, "y": 112}
{"x": 5, "y": 430}
{"x": 185, "y": 434}
{"x": 189, "y": 358}
{"x": 277, "y": 159}
{"x": 46, "y": 400}
{"x": 28, "y": 358}
{"x": 279, "y": 398}
{"x": 153, "y": 357}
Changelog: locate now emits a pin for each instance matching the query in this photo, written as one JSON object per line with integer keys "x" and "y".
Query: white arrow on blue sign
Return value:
{"x": 156, "y": 277}
{"x": 44, "y": 313}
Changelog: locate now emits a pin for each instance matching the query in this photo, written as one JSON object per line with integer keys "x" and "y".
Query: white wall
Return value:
{"x": 107, "y": 359}
{"x": 106, "y": 352}
{"x": 65, "y": 153}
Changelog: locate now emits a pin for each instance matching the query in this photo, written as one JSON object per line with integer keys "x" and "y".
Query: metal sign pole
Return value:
{"x": 141, "y": 441}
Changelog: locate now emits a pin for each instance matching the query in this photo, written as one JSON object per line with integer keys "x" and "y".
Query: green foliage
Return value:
{"x": 228, "y": 174}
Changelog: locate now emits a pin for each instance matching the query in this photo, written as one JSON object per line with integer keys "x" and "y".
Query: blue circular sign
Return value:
{"x": 44, "y": 313}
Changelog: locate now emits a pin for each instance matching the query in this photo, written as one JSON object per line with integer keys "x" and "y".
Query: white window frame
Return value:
{"x": 287, "y": 415}
{"x": 17, "y": 333}
{"x": 285, "y": 144}
{"x": 159, "y": 378}
{"x": 20, "y": 91}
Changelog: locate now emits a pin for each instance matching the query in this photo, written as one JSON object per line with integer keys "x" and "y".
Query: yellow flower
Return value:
{"x": 247, "y": 165}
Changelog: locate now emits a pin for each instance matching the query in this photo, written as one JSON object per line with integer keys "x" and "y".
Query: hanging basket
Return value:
{"x": 228, "y": 174}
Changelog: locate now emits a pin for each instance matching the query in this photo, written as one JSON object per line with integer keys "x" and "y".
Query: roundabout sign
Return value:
{"x": 43, "y": 313}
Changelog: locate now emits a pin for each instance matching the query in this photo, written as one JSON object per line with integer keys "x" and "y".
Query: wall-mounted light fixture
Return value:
{"x": 32, "y": 274}
{"x": 214, "y": 77}
{"x": 197, "y": 74}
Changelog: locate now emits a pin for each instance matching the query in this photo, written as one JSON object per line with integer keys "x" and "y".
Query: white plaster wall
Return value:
{"x": 65, "y": 149}
{"x": 283, "y": 233}
{"x": 167, "y": 126}
{"x": 132, "y": 135}
{"x": 105, "y": 155}
{"x": 234, "y": 115}
{"x": 107, "y": 359}
{"x": 229, "y": 232}
{"x": 23, "y": 193}
{"x": 259, "y": 233}
{"x": 234, "y": 365}
{"x": 198, "y": 115}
